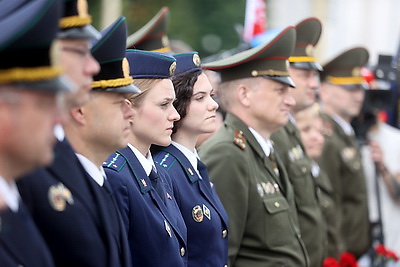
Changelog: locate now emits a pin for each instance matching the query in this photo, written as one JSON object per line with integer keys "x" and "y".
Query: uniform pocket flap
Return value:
{"x": 275, "y": 205}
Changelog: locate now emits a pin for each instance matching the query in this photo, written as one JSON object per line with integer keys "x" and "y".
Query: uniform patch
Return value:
{"x": 59, "y": 196}
{"x": 115, "y": 162}
{"x": 296, "y": 153}
{"x": 197, "y": 214}
{"x": 207, "y": 212}
{"x": 348, "y": 153}
{"x": 260, "y": 190}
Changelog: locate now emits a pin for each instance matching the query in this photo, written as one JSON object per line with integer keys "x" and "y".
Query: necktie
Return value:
{"x": 274, "y": 164}
{"x": 156, "y": 183}
{"x": 202, "y": 169}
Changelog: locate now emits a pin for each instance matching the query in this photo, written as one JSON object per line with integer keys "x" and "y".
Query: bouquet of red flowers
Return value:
{"x": 346, "y": 260}
{"x": 384, "y": 255}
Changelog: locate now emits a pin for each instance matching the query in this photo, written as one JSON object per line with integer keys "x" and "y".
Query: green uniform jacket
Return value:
{"x": 341, "y": 161}
{"x": 262, "y": 217}
{"x": 289, "y": 146}
{"x": 325, "y": 198}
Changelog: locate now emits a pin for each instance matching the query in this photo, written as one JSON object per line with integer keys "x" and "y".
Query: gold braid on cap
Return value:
{"x": 74, "y": 21}
{"x": 36, "y": 74}
{"x": 162, "y": 50}
{"x": 302, "y": 59}
{"x": 256, "y": 73}
{"x": 112, "y": 83}
{"x": 345, "y": 80}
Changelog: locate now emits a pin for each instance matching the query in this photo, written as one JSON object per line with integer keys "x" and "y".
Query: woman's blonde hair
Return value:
{"x": 145, "y": 85}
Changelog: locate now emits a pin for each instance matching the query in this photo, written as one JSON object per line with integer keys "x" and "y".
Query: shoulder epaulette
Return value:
{"x": 239, "y": 139}
{"x": 165, "y": 160}
{"x": 115, "y": 162}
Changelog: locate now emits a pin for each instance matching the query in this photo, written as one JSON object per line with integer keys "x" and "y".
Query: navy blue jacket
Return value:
{"x": 156, "y": 230}
{"x": 203, "y": 212}
{"x": 20, "y": 241}
{"x": 78, "y": 219}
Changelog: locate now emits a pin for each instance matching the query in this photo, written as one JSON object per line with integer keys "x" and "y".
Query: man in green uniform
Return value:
{"x": 304, "y": 70}
{"x": 342, "y": 95}
{"x": 250, "y": 180}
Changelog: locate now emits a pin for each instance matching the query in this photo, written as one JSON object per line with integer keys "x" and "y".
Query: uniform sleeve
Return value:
{"x": 228, "y": 170}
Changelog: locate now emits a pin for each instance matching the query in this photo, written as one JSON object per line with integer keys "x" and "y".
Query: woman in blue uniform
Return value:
{"x": 155, "y": 227}
{"x": 204, "y": 215}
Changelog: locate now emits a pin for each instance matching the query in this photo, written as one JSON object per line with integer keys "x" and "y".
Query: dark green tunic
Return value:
{"x": 289, "y": 146}
{"x": 263, "y": 222}
{"x": 341, "y": 160}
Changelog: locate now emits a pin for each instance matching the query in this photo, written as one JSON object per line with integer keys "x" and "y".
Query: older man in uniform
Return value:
{"x": 29, "y": 84}
{"x": 70, "y": 200}
{"x": 342, "y": 96}
{"x": 249, "y": 178}
{"x": 304, "y": 70}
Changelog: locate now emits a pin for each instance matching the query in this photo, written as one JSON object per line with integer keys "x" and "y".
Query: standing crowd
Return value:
{"x": 101, "y": 162}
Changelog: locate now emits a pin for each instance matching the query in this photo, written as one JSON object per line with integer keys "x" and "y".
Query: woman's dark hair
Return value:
{"x": 183, "y": 84}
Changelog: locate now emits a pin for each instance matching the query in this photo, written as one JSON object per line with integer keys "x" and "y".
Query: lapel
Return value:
{"x": 292, "y": 131}
{"x": 192, "y": 176}
{"x": 146, "y": 188}
{"x": 68, "y": 170}
{"x": 236, "y": 123}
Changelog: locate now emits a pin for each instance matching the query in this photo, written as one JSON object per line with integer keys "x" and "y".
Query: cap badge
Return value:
{"x": 165, "y": 40}
{"x": 197, "y": 214}
{"x": 196, "y": 60}
{"x": 59, "y": 196}
{"x": 125, "y": 67}
{"x": 82, "y": 8}
{"x": 172, "y": 68}
{"x": 310, "y": 50}
{"x": 356, "y": 72}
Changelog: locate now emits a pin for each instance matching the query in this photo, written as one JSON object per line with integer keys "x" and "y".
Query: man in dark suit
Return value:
{"x": 28, "y": 112}
{"x": 249, "y": 179}
{"x": 70, "y": 200}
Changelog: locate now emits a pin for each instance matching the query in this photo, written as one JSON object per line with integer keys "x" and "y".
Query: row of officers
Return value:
{"x": 98, "y": 147}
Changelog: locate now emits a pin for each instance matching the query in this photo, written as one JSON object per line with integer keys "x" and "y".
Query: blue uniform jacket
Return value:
{"x": 155, "y": 227}
{"x": 20, "y": 241}
{"x": 203, "y": 212}
{"x": 78, "y": 220}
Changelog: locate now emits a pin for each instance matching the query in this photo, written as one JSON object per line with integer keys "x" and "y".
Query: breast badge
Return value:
{"x": 239, "y": 140}
{"x": 167, "y": 228}
{"x": 207, "y": 212}
{"x": 59, "y": 196}
{"x": 197, "y": 214}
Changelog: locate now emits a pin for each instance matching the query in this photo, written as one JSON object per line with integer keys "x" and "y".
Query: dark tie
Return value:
{"x": 202, "y": 169}
{"x": 156, "y": 183}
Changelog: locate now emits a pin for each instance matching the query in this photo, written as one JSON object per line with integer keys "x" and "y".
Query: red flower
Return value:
{"x": 330, "y": 262}
{"x": 392, "y": 255}
{"x": 380, "y": 250}
{"x": 348, "y": 260}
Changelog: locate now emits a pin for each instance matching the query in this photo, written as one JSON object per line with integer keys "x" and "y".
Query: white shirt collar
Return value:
{"x": 59, "y": 132}
{"x": 95, "y": 172}
{"x": 292, "y": 119}
{"x": 146, "y": 162}
{"x": 192, "y": 156}
{"x": 266, "y": 145}
{"x": 348, "y": 130}
{"x": 9, "y": 193}
{"x": 315, "y": 169}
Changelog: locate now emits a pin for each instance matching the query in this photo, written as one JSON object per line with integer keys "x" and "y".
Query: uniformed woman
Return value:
{"x": 204, "y": 215}
{"x": 155, "y": 227}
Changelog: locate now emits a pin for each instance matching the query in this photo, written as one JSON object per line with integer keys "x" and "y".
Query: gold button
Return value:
{"x": 183, "y": 251}
{"x": 276, "y": 204}
{"x": 304, "y": 169}
{"x": 224, "y": 233}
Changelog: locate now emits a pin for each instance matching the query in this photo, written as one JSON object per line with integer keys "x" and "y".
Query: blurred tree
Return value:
{"x": 206, "y": 25}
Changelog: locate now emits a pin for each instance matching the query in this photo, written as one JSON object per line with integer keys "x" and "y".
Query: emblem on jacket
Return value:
{"x": 59, "y": 196}
{"x": 197, "y": 213}
{"x": 296, "y": 153}
{"x": 239, "y": 140}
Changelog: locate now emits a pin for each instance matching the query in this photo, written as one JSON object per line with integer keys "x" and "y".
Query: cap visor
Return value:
{"x": 56, "y": 85}
{"x": 126, "y": 89}
{"x": 307, "y": 65}
{"x": 85, "y": 32}
{"x": 282, "y": 79}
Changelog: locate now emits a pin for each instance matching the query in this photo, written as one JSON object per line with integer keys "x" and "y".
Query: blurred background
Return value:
{"x": 217, "y": 28}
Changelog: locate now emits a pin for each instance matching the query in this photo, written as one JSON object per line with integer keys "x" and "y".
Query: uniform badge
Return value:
{"x": 190, "y": 171}
{"x": 260, "y": 190}
{"x": 143, "y": 182}
{"x": 59, "y": 196}
{"x": 167, "y": 228}
{"x": 268, "y": 188}
{"x": 197, "y": 213}
{"x": 276, "y": 186}
{"x": 239, "y": 140}
{"x": 207, "y": 212}
{"x": 348, "y": 153}
{"x": 169, "y": 196}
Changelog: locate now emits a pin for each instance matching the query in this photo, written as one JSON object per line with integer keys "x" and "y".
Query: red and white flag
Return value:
{"x": 255, "y": 19}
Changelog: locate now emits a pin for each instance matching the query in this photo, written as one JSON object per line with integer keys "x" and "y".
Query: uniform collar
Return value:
{"x": 97, "y": 173}
{"x": 346, "y": 127}
{"x": 10, "y": 194}
{"x": 266, "y": 145}
{"x": 146, "y": 161}
{"x": 192, "y": 156}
